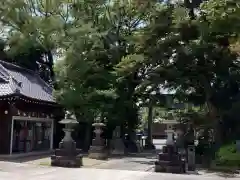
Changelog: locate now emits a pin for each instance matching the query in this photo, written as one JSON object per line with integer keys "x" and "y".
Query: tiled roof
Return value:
{"x": 17, "y": 80}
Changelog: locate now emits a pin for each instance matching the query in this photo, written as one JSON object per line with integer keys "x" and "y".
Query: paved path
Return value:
{"x": 130, "y": 163}
{"x": 22, "y": 171}
{"x": 138, "y": 167}
{"x": 143, "y": 163}
{"x": 134, "y": 163}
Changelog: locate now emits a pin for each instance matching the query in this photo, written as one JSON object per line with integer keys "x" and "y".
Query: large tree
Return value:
{"x": 193, "y": 54}
{"x": 108, "y": 35}
{"x": 34, "y": 30}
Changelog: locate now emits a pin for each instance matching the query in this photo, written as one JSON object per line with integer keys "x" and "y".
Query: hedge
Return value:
{"x": 228, "y": 156}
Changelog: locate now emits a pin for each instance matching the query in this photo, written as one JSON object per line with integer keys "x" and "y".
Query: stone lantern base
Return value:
{"x": 98, "y": 149}
{"x": 97, "y": 152}
{"x": 67, "y": 155}
{"x": 170, "y": 161}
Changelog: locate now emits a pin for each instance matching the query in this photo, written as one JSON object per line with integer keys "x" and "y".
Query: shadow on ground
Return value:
{"x": 222, "y": 174}
{"x": 230, "y": 173}
{"x": 25, "y": 159}
{"x": 143, "y": 162}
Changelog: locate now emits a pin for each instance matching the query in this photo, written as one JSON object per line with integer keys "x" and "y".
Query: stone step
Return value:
{"x": 169, "y": 163}
{"x": 169, "y": 157}
{"x": 69, "y": 152}
{"x": 169, "y": 167}
{"x": 63, "y": 161}
{"x": 66, "y": 157}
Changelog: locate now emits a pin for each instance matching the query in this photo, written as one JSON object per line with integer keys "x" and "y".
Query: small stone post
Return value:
{"x": 118, "y": 145}
{"x": 191, "y": 158}
{"x": 190, "y": 135}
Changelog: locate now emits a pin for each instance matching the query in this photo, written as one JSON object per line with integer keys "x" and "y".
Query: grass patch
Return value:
{"x": 228, "y": 156}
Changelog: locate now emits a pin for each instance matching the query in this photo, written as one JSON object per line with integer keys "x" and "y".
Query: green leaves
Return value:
{"x": 192, "y": 56}
{"x": 129, "y": 64}
{"x": 222, "y": 15}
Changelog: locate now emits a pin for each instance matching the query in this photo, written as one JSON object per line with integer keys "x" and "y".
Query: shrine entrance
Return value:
{"x": 30, "y": 134}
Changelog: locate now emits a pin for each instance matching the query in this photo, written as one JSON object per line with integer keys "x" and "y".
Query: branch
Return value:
{"x": 32, "y": 8}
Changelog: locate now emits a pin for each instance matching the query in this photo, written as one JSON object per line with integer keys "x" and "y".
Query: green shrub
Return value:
{"x": 228, "y": 156}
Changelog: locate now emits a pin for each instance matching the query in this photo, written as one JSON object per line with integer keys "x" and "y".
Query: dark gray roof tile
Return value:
{"x": 27, "y": 83}
{"x": 5, "y": 89}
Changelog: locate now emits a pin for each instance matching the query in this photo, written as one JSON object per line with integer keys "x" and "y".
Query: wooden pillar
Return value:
{"x": 150, "y": 121}
{"x": 5, "y": 131}
{"x": 52, "y": 133}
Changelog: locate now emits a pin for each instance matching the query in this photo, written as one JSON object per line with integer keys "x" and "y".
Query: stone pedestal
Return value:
{"x": 170, "y": 161}
{"x": 98, "y": 148}
{"x": 67, "y": 155}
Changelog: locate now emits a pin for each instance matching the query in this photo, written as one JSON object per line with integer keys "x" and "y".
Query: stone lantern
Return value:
{"x": 169, "y": 160}
{"x": 98, "y": 148}
{"x": 67, "y": 155}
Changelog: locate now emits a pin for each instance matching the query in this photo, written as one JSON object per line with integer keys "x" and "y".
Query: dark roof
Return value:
{"x": 15, "y": 80}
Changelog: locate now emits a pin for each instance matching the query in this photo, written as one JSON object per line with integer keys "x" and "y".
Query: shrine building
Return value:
{"x": 28, "y": 111}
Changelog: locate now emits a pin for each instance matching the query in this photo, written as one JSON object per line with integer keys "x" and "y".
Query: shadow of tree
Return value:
{"x": 24, "y": 159}
{"x": 224, "y": 174}
{"x": 142, "y": 162}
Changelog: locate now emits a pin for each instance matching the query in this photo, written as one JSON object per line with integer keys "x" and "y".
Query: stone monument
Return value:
{"x": 190, "y": 139}
{"x": 67, "y": 155}
{"x": 118, "y": 145}
{"x": 170, "y": 160}
{"x": 98, "y": 149}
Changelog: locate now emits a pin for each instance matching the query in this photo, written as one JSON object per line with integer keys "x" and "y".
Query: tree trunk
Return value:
{"x": 50, "y": 63}
{"x": 213, "y": 114}
{"x": 212, "y": 111}
{"x": 87, "y": 139}
{"x": 149, "y": 142}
